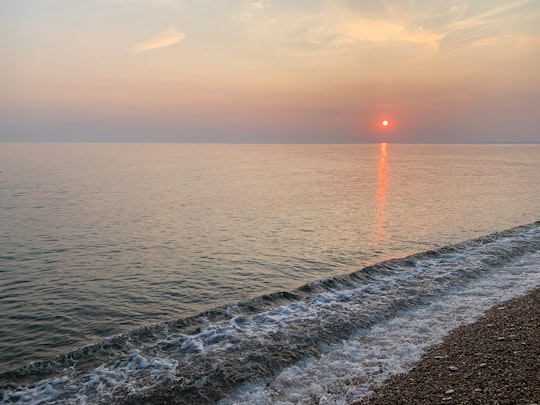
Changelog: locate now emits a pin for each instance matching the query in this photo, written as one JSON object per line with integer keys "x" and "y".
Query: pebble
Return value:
{"x": 449, "y": 392}
{"x": 476, "y": 364}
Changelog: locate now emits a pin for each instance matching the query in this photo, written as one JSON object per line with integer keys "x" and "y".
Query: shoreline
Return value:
{"x": 495, "y": 360}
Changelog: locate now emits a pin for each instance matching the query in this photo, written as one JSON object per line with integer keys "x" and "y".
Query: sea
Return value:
{"x": 250, "y": 274}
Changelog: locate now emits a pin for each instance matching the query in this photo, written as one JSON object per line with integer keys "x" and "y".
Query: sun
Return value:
{"x": 385, "y": 123}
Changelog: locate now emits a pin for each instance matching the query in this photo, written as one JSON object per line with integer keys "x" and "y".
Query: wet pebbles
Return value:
{"x": 496, "y": 360}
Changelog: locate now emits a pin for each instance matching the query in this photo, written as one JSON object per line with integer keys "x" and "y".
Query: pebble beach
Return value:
{"x": 495, "y": 360}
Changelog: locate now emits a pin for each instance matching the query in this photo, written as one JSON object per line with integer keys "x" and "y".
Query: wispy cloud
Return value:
{"x": 249, "y": 8}
{"x": 166, "y": 38}
{"x": 491, "y": 16}
{"x": 417, "y": 27}
{"x": 379, "y": 31}
{"x": 340, "y": 27}
{"x": 486, "y": 27}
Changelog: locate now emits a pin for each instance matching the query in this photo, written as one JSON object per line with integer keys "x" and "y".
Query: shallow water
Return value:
{"x": 328, "y": 341}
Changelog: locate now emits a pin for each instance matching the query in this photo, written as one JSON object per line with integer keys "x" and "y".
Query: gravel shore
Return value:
{"x": 495, "y": 360}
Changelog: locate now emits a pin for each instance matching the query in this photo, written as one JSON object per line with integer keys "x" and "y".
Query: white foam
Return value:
{"x": 134, "y": 374}
{"x": 345, "y": 372}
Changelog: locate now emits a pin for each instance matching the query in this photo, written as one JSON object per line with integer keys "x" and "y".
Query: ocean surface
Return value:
{"x": 244, "y": 274}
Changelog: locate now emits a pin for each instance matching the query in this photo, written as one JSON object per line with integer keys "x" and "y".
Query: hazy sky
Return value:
{"x": 270, "y": 71}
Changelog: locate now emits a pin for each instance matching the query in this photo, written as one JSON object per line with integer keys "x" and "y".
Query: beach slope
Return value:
{"x": 495, "y": 360}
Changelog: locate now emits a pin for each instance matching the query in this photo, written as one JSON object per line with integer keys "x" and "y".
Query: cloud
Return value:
{"x": 491, "y": 16}
{"x": 166, "y": 38}
{"x": 416, "y": 28}
{"x": 488, "y": 26}
{"x": 378, "y": 31}
{"x": 336, "y": 28}
{"x": 248, "y": 10}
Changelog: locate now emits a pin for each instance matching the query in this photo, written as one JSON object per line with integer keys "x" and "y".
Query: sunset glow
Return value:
{"x": 269, "y": 71}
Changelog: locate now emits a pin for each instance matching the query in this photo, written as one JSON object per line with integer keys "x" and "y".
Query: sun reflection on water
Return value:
{"x": 379, "y": 223}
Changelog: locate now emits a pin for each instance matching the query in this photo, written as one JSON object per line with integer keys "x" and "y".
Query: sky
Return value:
{"x": 270, "y": 71}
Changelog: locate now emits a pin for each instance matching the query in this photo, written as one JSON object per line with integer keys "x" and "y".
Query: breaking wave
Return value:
{"x": 328, "y": 341}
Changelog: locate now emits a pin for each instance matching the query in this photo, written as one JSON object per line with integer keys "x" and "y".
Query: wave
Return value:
{"x": 254, "y": 350}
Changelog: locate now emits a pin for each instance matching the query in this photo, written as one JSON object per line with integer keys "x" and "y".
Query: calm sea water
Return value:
{"x": 99, "y": 240}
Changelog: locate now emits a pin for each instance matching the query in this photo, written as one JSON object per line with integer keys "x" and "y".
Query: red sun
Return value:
{"x": 385, "y": 123}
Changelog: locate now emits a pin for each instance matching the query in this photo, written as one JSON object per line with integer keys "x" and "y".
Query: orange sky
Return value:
{"x": 270, "y": 71}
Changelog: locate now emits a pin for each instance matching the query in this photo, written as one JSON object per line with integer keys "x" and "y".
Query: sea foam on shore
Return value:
{"x": 495, "y": 360}
{"x": 342, "y": 335}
